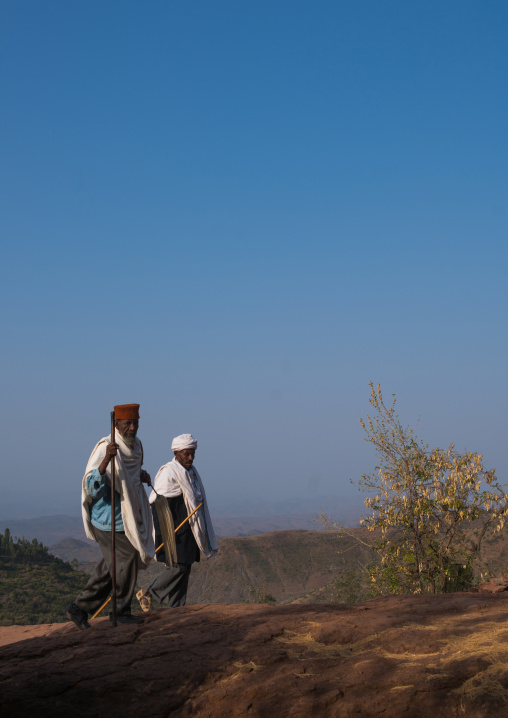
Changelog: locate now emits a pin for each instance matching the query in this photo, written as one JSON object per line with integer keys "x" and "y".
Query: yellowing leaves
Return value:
{"x": 425, "y": 500}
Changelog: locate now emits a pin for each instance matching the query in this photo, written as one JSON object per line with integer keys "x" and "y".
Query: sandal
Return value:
{"x": 144, "y": 599}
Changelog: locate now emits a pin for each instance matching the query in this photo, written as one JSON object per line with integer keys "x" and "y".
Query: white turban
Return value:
{"x": 184, "y": 441}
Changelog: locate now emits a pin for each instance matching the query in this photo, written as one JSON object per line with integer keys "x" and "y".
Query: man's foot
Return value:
{"x": 126, "y": 618}
{"x": 77, "y": 616}
{"x": 145, "y": 599}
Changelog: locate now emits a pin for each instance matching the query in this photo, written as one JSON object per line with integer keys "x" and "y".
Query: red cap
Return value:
{"x": 127, "y": 411}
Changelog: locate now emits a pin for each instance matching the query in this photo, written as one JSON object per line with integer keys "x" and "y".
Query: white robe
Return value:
{"x": 172, "y": 480}
{"x": 136, "y": 514}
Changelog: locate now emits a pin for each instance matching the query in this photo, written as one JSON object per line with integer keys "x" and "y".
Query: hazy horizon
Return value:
{"x": 332, "y": 505}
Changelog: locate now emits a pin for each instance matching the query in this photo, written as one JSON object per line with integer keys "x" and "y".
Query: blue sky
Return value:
{"x": 238, "y": 214}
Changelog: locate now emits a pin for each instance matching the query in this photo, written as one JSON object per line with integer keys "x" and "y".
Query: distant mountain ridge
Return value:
{"x": 83, "y": 551}
{"x": 343, "y": 509}
{"x": 48, "y": 529}
{"x": 239, "y": 518}
{"x": 283, "y": 565}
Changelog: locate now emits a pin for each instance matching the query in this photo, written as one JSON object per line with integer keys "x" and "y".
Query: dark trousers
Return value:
{"x": 99, "y": 584}
{"x": 172, "y": 584}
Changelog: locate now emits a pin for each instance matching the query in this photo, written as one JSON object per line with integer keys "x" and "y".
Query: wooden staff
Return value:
{"x": 156, "y": 551}
{"x": 113, "y": 521}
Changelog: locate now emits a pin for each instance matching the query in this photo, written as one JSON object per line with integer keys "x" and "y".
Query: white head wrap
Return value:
{"x": 184, "y": 441}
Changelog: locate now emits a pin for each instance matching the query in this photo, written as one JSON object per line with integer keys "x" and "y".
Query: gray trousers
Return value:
{"x": 172, "y": 584}
{"x": 99, "y": 584}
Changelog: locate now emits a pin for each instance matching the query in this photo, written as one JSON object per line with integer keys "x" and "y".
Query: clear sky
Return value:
{"x": 238, "y": 214}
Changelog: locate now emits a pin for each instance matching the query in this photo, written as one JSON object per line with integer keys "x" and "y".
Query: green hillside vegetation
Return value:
{"x": 34, "y": 585}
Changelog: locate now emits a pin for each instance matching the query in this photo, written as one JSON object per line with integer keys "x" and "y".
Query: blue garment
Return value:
{"x": 100, "y": 509}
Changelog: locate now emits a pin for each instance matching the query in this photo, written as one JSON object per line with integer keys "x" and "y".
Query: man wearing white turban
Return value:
{"x": 181, "y": 484}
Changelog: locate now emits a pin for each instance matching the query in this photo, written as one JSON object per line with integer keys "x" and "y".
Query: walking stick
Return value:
{"x": 156, "y": 551}
{"x": 113, "y": 520}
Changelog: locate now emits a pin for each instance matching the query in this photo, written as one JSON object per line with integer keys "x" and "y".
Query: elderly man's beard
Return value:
{"x": 129, "y": 440}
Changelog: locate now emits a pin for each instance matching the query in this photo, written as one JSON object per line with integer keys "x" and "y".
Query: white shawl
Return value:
{"x": 174, "y": 476}
{"x": 136, "y": 514}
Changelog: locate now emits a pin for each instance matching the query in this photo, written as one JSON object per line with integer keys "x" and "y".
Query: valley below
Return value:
{"x": 274, "y": 567}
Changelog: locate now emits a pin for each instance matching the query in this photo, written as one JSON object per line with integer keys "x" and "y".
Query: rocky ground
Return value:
{"x": 433, "y": 656}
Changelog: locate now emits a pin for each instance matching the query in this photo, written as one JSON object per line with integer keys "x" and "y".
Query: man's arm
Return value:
{"x": 98, "y": 482}
{"x": 111, "y": 451}
{"x": 97, "y": 485}
{"x": 165, "y": 484}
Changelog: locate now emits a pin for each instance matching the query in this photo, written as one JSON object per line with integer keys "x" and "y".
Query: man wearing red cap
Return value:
{"x": 134, "y": 546}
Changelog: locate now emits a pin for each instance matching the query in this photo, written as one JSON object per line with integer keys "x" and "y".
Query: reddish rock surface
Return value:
{"x": 395, "y": 656}
{"x": 13, "y": 634}
{"x": 495, "y": 585}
